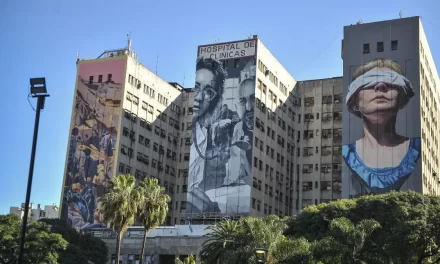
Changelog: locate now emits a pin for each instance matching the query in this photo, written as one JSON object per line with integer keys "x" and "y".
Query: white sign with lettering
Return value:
{"x": 228, "y": 50}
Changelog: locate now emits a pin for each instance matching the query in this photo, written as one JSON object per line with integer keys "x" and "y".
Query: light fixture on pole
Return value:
{"x": 260, "y": 255}
{"x": 38, "y": 90}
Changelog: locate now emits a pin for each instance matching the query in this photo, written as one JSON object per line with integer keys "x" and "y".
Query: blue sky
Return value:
{"x": 41, "y": 38}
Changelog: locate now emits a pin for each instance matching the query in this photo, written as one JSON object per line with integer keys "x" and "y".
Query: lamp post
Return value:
{"x": 38, "y": 90}
{"x": 260, "y": 255}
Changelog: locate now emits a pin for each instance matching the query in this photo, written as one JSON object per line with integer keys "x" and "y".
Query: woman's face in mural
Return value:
{"x": 204, "y": 91}
{"x": 381, "y": 99}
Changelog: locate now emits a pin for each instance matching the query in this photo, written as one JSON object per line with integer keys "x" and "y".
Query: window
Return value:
{"x": 100, "y": 78}
{"x": 380, "y": 46}
{"x": 309, "y": 101}
{"x": 236, "y": 63}
{"x": 327, "y": 99}
{"x": 90, "y": 79}
{"x": 337, "y": 98}
{"x": 190, "y": 110}
{"x": 366, "y": 48}
{"x": 135, "y": 100}
{"x": 189, "y": 126}
{"x": 121, "y": 168}
{"x": 394, "y": 45}
{"x": 186, "y": 157}
{"x": 128, "y": 170}
{"x": 109, "y": 77}
{"x": 144, "y": 105}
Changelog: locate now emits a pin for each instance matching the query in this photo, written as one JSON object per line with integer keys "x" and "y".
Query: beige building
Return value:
{"x": 49, "y": 211}
{"x": 401, "y": 47}
{"x": 298, "y": 136}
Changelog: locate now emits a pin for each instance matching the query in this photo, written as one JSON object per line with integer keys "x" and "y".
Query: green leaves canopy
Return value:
{"x": 41, "y": 245}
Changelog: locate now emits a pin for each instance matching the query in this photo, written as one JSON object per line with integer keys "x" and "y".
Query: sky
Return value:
{"x": 41, "y": 39}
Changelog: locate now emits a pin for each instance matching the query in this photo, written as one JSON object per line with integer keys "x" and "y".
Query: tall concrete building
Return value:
{"x": 248, "y": 139}
{"x": 125, "y": 119}
{"x": 391, "y": 94}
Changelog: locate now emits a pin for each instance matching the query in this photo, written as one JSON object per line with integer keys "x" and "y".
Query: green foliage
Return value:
{"x": 120, "y": 204}
{"x": 188, "y": 260}
{"x": 82, "y": 247}
{"x": 153, "y": 208}
{"x": 41, "y": 245}
{"x": 234, "y": 241}
{"x": 409, "y": 228}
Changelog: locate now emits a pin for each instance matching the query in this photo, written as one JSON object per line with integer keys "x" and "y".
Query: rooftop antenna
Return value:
{"x": 157, "y": 62}
{"x": 183, "y": 84}
{"x": 77, "y": 57}
{"x": 129, "y": 42}
{"x": 250, "y": 36}
{"x": 400, "y": 14}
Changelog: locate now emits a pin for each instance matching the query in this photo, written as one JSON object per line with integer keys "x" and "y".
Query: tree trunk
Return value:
{"x": 118, "y": 246}
{"x": 144, "y": 242}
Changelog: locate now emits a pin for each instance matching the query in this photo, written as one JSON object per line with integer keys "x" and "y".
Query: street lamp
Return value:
{"x": 38, "y": 90}
{"x": 260, "y": 255}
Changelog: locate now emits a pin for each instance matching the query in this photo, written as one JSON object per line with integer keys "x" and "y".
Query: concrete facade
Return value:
{"x": 164, "y": 244}
{"x": 49, "y": 211}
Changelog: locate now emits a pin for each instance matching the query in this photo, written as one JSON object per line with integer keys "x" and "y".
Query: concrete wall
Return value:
{"x": 162, "y": 242}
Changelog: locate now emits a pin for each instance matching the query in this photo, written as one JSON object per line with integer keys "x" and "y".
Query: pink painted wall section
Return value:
{"x": 115, "y": 67}
{"x": 92, "y": 142}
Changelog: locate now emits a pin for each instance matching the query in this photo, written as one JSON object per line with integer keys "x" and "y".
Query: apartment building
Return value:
{"x": 49, "y": 211}
{"x": 249, "y": 139}
{"x": 388, "y": 56}
{"x": 125, "y": 119}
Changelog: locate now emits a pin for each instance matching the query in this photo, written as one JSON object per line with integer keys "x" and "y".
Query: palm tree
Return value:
{"x": 224, "y": 239}
{"x": 233, "y": 241}
{"x": 153, "y": 209}
{"x": 189, "y": 260}
{"x": 120, "y": 203}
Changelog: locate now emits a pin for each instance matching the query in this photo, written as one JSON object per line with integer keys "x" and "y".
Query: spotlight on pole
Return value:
{"x": 260, "y": 255}
{"x": 39, "y": 90}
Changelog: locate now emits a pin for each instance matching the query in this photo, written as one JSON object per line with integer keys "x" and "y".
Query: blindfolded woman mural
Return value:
{"x": 381, "y": 160}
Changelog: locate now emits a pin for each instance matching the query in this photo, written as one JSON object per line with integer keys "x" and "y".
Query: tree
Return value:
{"x": 346, "y": 242}
{"x": 41, "y": 246}
{"x": 153, "y": 209}
{"x": 188, "y": 260}
{"x": 82, "y": 248}
{"x": 409, "y": 233}
{"x": 223, "y": 239}
{"x": 120, "y": 203}
{"x": 233, "y": 241}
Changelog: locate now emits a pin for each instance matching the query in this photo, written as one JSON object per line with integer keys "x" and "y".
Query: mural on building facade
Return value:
{"x": 385, "y": 153}
{"x": 220, "y": 172}
{"x": 91, "y": 152}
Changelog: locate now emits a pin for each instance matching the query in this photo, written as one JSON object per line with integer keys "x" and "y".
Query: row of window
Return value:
{"x": 162, "y": 99}
{"x": 380, "y": 46}
{"x": 326, "y": 134}
{"x": 256, "y": 204}
{"x": 147, "y": 125}
{"x": 109, "y": 78}
{"x": 326, "y": 99}
{"x": 325, "y": 168}
{"x": 272, "y": 77}
{"x": 325, "y": 186}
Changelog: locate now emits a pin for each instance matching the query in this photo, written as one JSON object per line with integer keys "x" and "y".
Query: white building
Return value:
{"x": 49, "y": 211}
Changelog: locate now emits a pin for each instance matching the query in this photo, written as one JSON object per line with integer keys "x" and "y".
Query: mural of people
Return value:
{"x": 207, "y": 161}
{"x": 92, "y": 141}
{"x": 381, "y": 160}
{"x": 222, "y": 138}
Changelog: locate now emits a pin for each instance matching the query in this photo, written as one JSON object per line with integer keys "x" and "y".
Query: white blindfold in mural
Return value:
{"x": 373, "y": 77}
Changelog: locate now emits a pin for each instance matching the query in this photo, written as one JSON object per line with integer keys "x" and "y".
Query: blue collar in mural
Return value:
{"x": 379, "y": 180}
